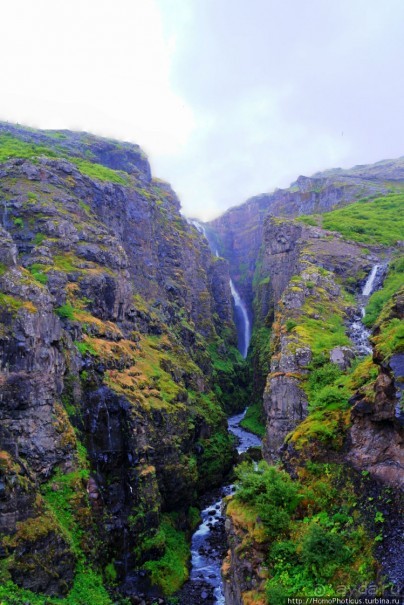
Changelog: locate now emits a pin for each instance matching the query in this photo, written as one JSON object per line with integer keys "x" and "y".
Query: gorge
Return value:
{"x": 132, "y": 339}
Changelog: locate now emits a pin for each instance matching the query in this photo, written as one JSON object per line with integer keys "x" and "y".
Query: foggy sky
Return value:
{"x": 230, "y": 98}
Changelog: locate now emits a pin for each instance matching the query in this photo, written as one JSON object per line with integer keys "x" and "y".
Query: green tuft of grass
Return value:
{"x": 66, "y": 311}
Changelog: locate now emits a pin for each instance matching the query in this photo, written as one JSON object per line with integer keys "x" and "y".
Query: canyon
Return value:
{"x": 129, "y": 335}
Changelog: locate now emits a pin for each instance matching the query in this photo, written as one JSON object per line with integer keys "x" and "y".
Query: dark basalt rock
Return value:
{"x": 100, "y": 280}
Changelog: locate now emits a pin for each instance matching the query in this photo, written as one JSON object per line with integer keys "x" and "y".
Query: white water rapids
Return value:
{"x": 206, "y": 558}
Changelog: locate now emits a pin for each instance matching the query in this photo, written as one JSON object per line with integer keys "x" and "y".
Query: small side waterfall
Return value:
{"x": 242, "y": 321}
{"x": 368, "y": 287}
{"x": 359, "y": 333}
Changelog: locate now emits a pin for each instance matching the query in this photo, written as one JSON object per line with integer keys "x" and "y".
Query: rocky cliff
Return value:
{"x": 239, "y": 231}
{"x": 115, "y": 321}
{"x": 332, "y": 412}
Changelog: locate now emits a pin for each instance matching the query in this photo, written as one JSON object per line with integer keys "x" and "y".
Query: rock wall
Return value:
{"x": 112, "y": 310}
{"x": 302, "y": 264}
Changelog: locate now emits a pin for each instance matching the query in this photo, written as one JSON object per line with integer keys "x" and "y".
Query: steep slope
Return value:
{"x": 332, "y": 411}
{"x": 115, "y": 326}
{"x": 239, "y": 231}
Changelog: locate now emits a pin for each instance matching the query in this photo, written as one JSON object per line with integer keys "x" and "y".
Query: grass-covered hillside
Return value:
{"x": 370, "y": 221}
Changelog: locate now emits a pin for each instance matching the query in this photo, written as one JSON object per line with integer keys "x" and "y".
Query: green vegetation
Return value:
{"x": 230, "y": 376}
{"x": 37, "y": 272}
{"x": 12, "y": 304}
{"x": 85, "y": 347}
{"x": 253, "y": 420}
{"x": 97, "y": 171}
{"x": 11, "y": 147}
{"x": 394, "y": 280}
{"x": 217, "y": 456}
{"x": 322, "y": 334}
{"x": 66, "y": 506}
{"x": 66, "y": 311}
{"x": 271, "y": 492}
{"x": 87, "y": 588}
{"x": 170, "y": 571}
{"x": 310, "y": 529}
{"x": 361, "y": 222}
{"x": 39, "y": 238}
{"x": 60, "y": 495}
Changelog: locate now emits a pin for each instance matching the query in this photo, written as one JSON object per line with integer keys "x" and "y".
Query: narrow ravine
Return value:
{"x": 208, "y": 546}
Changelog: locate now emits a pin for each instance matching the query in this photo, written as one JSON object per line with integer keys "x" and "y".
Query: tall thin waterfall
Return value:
{"x": 243, "y": 321}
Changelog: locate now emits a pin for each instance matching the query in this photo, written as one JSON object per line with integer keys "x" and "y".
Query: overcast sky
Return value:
{"x": 229, "y": 98}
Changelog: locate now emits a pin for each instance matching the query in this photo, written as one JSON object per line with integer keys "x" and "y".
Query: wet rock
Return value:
{"x": 342, "y": 357}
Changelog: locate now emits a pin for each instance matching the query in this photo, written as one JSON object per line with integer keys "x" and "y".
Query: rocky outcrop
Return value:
{"x": 244, "y": 569}
{"x": 298, "y": 276}
{"x": 376, "y": 435}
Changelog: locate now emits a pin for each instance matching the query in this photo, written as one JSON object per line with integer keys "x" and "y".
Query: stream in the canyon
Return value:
{"x": 208, "y": 546}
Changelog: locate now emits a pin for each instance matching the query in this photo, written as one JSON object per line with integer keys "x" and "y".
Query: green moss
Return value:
{"x": 60, "y": 494}
{"x": 322, "y": 334}
{"x": 13, "y": 304}
{"x": 230, "y": 376}
{"x": 66, "y": 311}
{"x": 86, "y": 347}
{"x": 18, "y": 222}
{"x": 87, "y": 588}
{"x": 102, "y": 173}
{"x": 38, "y": 273}
{"x": 39, "y": 238}
{"x": 216, "y": 458}
{"x": 11, "y": 147}
{"x": 391, "y": 338}
{"x": 170, "y": 571}
{"x": 253, "y": 420}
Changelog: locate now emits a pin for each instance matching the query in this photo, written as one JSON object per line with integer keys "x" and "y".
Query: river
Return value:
{"x": 208, "y": 546}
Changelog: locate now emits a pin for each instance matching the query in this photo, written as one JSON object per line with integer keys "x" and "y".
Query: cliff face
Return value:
{"x": 240, "y": 230}
{"x": 303, "y": 264}
{"x": 110, "y": 303}
{"x": 333, "y": 418}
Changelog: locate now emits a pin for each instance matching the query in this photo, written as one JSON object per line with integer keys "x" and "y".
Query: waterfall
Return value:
{"x": 243, "y": 320}
{"x": 359, "y": 333}
{"x": 368, "y": 287}
{"x": 203, "y": 231}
